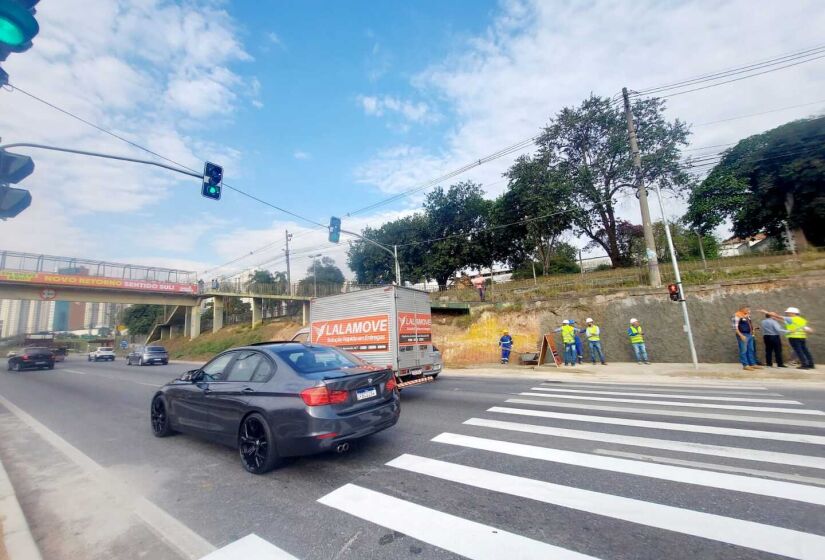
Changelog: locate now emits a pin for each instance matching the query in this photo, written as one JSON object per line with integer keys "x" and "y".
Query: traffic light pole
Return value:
{"x": 678, "y": 278}
{"x": 102, "y": 155}
{"x": 393, "y": 252}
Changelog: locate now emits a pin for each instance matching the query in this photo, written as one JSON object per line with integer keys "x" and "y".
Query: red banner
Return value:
{"x": 53, "y": 279}
{"x": 414, "y": 328}
{"x": 356, "y": 334}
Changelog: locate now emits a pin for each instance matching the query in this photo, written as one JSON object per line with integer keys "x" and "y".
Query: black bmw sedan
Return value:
{"x": 279, "y": 399}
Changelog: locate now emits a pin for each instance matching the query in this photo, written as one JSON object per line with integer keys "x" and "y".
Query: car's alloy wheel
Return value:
{"x": 16, "y": 366}
{"x": 160, "y": 419}
{"x": 255, "y": 445}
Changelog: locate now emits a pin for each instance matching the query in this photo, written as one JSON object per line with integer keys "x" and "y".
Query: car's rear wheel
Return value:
{"x": 16, "y": 366}
{"x": 51, "y": 366}
{"x": 256, "y": 446}
{"x": 140, "y": 361}
{"x": 160, "y": 418}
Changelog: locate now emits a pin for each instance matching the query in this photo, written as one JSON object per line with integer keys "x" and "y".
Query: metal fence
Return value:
{"x": 29, "y": 262}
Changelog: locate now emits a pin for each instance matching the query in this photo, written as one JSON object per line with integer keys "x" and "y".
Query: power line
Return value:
{"x": 669, "y": 95}
{"x": 147, "y": 150}
{"x": 762, "y": 113}
{"x": 735, "y": 71}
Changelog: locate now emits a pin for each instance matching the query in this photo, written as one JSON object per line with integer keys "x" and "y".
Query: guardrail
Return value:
{"x": 31, "y": 262}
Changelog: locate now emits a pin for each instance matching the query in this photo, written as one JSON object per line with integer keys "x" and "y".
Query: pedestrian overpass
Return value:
{"x": 26, "y": 276}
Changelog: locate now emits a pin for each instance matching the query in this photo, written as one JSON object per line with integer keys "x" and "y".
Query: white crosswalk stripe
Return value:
{"x": 686, "y": 447}
{"x": 663, "y": 389}
{"x": 723, "y": 481}
{"x": 468, "y": 538}
{"x": 691, "y": 386}
{"x": 670, "y": 396}
{"x": 676, "y": 413}
{"x": 695, "y": 428}
{"x": 758, "y": 536}
{"x": 463, "y": 531}
{"x": 807, "y": 412}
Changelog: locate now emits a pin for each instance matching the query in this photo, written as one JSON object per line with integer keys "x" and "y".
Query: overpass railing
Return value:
{"x": 29, "y": 262}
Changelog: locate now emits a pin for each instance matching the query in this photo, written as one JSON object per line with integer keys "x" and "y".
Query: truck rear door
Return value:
{"x": 414, "y": 332}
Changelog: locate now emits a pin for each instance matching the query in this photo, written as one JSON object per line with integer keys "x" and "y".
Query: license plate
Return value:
{"x": 366, "y": 393}
{"x": 40, "y": 363}
{"x": 416, "y": 372}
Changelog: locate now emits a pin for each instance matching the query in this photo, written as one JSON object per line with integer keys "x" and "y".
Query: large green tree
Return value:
{"x": 454, "y": 219}
{"x": 373, "y": 265}
{"x": 531, "y": 216}
{"x": 324, "y": 274}
{"x": 140, "y": 318}
{"x": 586, "y": 148}
{"x": 766, "y": 180}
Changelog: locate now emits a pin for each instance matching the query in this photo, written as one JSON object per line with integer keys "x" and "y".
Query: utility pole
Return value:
{"x": 650, "y": 243}
{"x": 288, "y": 275}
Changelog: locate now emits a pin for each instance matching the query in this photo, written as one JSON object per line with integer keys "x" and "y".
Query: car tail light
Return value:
{"x": 25, "y": 356}
{"x": 391, "y": 384}
{"x": 320, "y": 396}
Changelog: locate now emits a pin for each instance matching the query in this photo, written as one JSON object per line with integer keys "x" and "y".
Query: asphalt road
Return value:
{"x": 477, "y": 469}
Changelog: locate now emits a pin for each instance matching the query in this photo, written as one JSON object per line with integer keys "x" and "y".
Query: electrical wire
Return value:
{"x": 147, "y": 150}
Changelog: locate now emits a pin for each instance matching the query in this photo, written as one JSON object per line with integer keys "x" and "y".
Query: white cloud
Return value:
{"x": 274, "y": 38}
{"x": 388, "y": 105}
{"x": 300, "y": 154}
{"x": 141, "y": 69}
{"x": 537, "y": 57}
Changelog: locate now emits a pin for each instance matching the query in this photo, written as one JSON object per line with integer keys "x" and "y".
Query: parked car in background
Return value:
{"x": 102, "y": 353}
{"x": 279, "y": 399}
{"x": 148, "y": 355}
{"x": 34, "y": 357}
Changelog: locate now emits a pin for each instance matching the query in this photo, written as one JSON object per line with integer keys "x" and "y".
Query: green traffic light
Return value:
{"x": 10, "y": 33}
{"x": 17, "y": 25}
{"x": 213, "y": 190}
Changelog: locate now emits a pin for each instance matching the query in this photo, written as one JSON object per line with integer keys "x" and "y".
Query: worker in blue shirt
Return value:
{"x": 506, "y": 345}
{"x": 578, "y": 340}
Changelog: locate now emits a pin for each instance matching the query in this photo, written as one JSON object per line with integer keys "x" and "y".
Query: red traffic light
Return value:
{"x": 673, "y": 290}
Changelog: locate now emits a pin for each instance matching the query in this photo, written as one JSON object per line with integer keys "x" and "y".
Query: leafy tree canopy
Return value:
{"x": 765, "y": 180}
{"x": 140, "y": 318}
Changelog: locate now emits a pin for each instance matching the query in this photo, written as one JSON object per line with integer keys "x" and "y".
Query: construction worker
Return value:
{"x": 637, "y": 340}
{"x": 568, "y": 339}
{"x": 797, "y": 330}
{"x": 578, "y": 340}
{"x": 594, "y": 340}
{"x": 743, "y": 326}
{"x": 506, "y": 345}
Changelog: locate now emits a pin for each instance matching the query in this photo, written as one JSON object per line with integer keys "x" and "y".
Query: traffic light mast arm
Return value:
{"x": 393, "y": 252}
{"x": 101, "y": 155}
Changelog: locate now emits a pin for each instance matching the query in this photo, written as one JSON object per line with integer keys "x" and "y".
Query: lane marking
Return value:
{"x": 677, "y": 413}
{"x": 749, "y": 534}
{"x": 455, "y": 534}
{"x": 809, "y": 412}
{"x": 696, "y": 428}
{"x": 663, "y": 389}
{"x": 177, "y": 535}
{"x": 680, "y": 446}
{"x": 111, "y": 378}
{"x": 675, "y": 384}
{"x": 699, "y": 397}
{"x": 712, "y": 466}
{"x": 251, "y": 547}
{"x": 724, "y": 481}
{"x": 72, "y": 371}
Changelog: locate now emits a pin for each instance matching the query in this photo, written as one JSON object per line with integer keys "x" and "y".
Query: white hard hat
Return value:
{"x": 792, "y": 310}
{"x": 588, "y": 320}
{"x": 634, "y": 320}
{"x": 565, "y": 322}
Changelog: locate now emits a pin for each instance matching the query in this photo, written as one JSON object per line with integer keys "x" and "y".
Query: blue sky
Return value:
{"x": 325, "y": 107}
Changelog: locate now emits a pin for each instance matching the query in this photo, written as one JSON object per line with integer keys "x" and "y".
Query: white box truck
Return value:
{"x": 389, "y": 326}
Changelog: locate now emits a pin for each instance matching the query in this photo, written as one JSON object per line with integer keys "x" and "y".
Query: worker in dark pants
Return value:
{"x": 506, "y": 345}
{"x": 772, "y": 332}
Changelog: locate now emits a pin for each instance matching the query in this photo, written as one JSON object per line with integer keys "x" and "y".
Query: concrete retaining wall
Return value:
{"x": 710, "y": 307}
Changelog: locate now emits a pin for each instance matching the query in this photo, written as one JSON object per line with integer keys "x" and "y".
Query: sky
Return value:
{"x": 324, "y": 108}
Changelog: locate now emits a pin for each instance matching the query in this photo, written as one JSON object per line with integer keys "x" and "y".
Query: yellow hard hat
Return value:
{"x": 505, "y": 331}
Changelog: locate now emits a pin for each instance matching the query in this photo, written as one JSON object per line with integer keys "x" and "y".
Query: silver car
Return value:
{"x": 148, "y": 355}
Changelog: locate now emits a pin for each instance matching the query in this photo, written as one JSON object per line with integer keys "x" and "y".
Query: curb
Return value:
{"x": 17, "y": 538}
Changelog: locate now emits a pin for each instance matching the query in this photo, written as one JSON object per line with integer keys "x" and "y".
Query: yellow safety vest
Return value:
{"x": 593, "y": 333}
{"x": 636, "y": 334}
{"x": 568, "y": 334}
{"x": 796, "y": 327}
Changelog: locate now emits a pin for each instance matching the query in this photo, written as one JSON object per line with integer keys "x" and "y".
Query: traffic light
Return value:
{"x": 13, "y": 169}
{"x": 17, "y": 29}
{"x": 212, "y": 181}
{"x": 673, "y": 290}
{"x": 334, "y": 229}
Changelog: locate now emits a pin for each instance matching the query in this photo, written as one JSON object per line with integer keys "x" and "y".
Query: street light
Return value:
{"x": 314, "y": 273}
